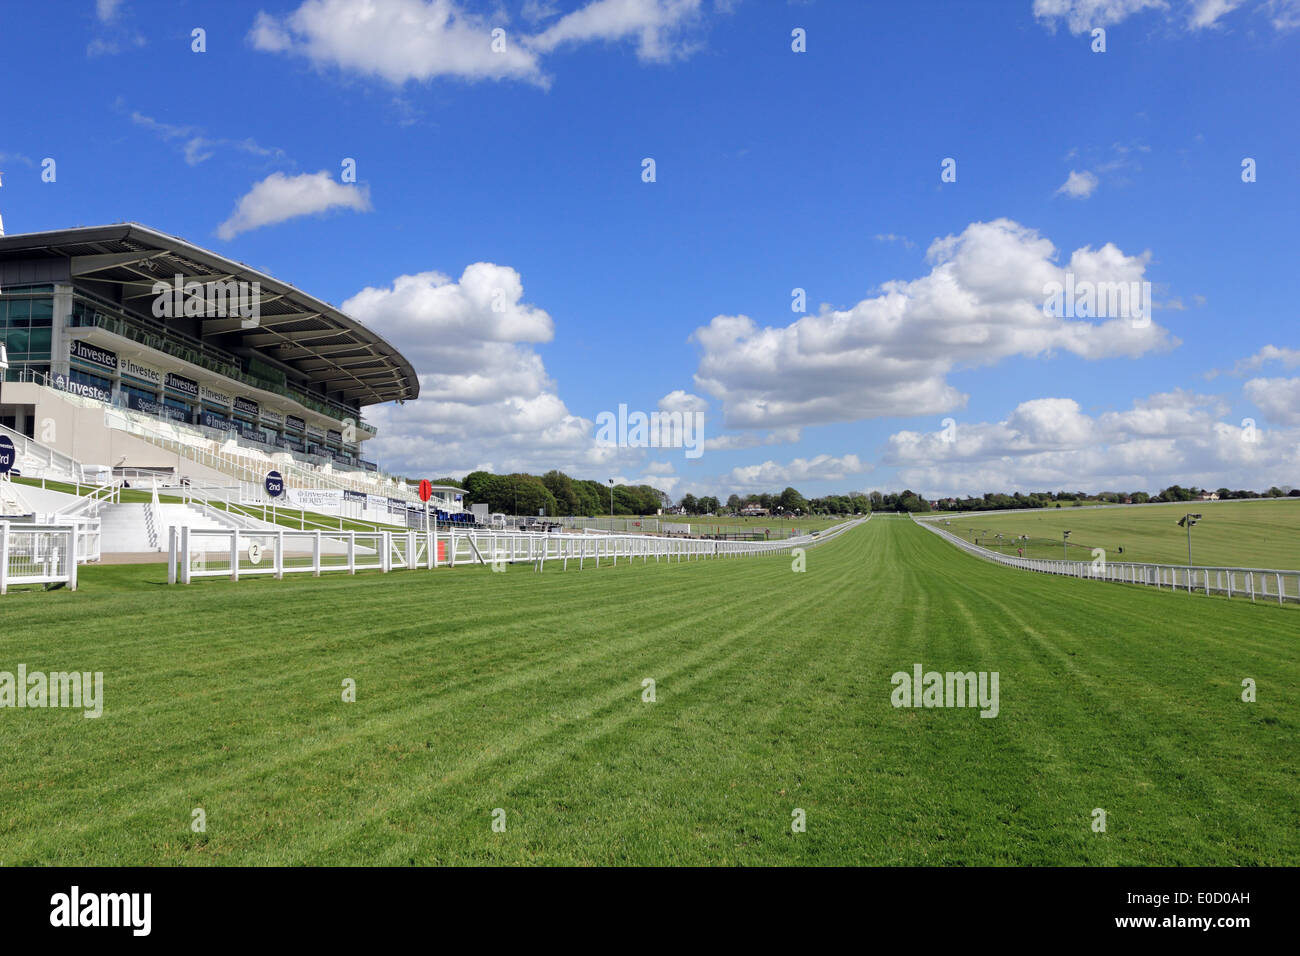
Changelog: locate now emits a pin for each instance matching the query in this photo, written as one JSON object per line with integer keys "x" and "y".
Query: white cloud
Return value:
{"x": 115, "y": 36}
{"x": 774, "y": 476}
{"x": 1277, "y": 398}
{"x": 1287, "y": 357}
{"x": 486, "y": 400}
{"x": 1050, "y": 444}
{"x": 889, "y": 355}
{"x": 396, "y": 40}
{"x": 1081, "y": 16}
{"x": 1206, "y": 13}
{"x": 1285, "y": 14}
{"x": 735, "y": 441}
{"x": 656, "y": 25}
{"x": 1078, "y": 185}
{"x": 279, "y": 197}
{"x": 418, "y": 40}
{"x": 679, "y": 400}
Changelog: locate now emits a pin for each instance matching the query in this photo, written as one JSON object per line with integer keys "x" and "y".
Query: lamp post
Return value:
{"x": 1065, "y": 544}
{"x": 1186, "y": 521}
{"x": 611, "y": 500}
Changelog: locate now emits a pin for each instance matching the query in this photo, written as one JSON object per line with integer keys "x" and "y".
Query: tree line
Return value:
{"x": 556, "y": 494}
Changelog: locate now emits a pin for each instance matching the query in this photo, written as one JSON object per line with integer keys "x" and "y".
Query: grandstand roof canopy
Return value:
{"x": 324, "y": 346}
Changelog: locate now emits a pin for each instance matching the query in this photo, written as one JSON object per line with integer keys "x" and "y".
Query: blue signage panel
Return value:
{"x": 274, "y": 484}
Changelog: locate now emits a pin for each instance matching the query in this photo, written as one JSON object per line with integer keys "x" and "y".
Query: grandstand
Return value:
{"x": 138, "y": 358}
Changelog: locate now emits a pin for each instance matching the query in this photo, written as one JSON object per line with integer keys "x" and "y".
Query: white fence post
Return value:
{"x": 171, "y": 554}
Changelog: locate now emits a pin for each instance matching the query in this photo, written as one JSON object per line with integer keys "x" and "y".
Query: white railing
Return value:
{"x": 37, "y": 554}
{"x": 52, "y": 464}
{"x": 246, "y": 464}
{"x": 1264, "y": 584}
{"x": 234, "y": 553}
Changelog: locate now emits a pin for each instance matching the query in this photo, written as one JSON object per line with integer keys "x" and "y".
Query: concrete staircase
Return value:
{"x": 129, "y": 528}
{"x": 12, "y": 502}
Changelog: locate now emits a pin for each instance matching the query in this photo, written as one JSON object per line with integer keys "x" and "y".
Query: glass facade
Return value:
{"x": 26, "y": 329}
{"x": 26, "y": 320}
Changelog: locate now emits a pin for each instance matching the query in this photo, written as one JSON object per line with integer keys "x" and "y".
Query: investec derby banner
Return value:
{"x": 314, "y": 497}
{"x": 92, "y": 353}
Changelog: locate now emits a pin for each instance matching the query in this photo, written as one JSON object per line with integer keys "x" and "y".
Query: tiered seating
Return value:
{"x": 246, "y": 462}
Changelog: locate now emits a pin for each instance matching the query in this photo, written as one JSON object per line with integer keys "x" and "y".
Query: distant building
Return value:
{"x": 754, "y": 511}
{"x": 1208, "y": 496}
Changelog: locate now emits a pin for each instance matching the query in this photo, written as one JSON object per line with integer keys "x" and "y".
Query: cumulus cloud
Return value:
{"x": 486, "y": 400}
{"x": 1051, "y": 443}
{"x": 889, "y": 355}
{"x": 771, "y": 475}
{"x": 1286, "y": 357}
{"x": 1078, "y": 185}
{"x": 679, "y": 400}
{"x": 418, "y": 40}
{"x": 1277, "y": 398}
{"x": 279, "y": 197}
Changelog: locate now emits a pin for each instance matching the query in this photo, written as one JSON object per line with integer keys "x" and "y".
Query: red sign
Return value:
{"x": 426, "y": 490}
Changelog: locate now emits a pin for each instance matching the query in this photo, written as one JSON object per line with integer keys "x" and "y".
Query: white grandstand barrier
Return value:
{"x": 234, "y": 553}
{"x": 38, "y": 554}
{"x": 1227, "y": 581}
{"x": 36, "y": 460}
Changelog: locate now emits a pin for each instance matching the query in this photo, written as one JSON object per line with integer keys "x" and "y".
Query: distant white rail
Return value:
{"x": 1264, "y": 584}
{"x": 234, "y": 553}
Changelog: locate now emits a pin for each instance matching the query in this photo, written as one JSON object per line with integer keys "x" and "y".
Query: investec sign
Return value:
{"x": 93, "y": 354}
{"x": 65, "y": 384}
{"x": 143, "y": 372}
{"x": 185, "y": 386}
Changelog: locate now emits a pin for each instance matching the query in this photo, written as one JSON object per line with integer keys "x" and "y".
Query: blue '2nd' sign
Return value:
{"x": 274, "y": 484}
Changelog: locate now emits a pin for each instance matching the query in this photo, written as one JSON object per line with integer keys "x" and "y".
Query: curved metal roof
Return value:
{"x": 313, "y": 341}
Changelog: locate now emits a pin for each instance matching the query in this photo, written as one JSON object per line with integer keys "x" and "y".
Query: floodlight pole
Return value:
{"x": 1065, "y": 544}
{"x": 611, "y": 501}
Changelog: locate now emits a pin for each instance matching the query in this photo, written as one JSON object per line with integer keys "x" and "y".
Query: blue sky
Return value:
{"x": 924, "y": 358}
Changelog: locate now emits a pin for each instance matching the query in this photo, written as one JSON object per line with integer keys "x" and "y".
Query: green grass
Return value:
{"x": 523, "y": 691}
{"x": 1262, "y": 533}
{"x": 778, "y": 527}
